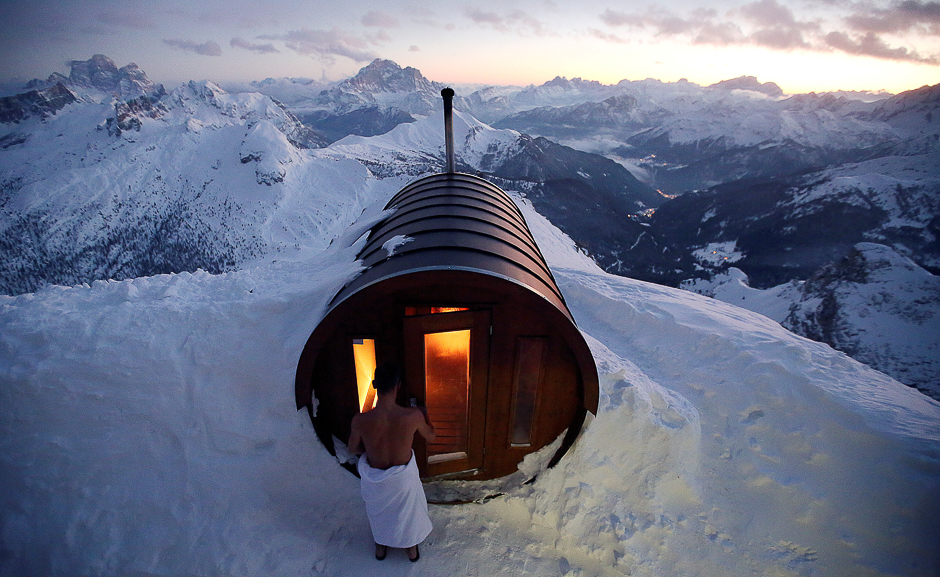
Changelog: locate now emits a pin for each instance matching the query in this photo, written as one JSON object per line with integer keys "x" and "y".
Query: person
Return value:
{"x": 391, "y": 486}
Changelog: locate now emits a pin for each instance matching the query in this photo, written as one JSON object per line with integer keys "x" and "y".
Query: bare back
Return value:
{"x": 386, "y": 432}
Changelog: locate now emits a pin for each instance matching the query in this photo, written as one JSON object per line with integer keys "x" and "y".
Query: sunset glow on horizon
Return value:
{"x": 819, "y": 45}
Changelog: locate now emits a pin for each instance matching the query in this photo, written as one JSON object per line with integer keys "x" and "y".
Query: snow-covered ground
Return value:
{"x": 148, "y": 427}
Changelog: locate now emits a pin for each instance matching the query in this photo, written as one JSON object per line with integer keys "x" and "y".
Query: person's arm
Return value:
{"x": 355, "y": 439}
{"x": 425, "y": 426}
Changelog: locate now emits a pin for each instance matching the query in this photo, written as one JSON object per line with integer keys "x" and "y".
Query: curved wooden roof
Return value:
{"x": 455, "y": 221}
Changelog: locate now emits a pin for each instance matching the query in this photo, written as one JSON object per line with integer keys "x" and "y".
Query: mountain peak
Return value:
{"x": 101, "y": 73}
{"x": 558, "y": 81}
{"x": 574, "y": 84}
{"x": 749, "y": 83}
{"x": 387, "y": 76}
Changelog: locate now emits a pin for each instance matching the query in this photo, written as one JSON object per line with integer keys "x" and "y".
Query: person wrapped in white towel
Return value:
{"x": 391, "y": 487}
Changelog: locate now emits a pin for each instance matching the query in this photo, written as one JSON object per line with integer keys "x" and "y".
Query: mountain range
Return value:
{"x": 104, "y": 174}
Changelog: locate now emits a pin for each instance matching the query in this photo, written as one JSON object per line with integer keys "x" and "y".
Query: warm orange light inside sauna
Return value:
{"x": 364, "y": 356}
{"x": 442, "y": 310}
{"x": 447, "y": 388}
{"x": 414, "y": 311}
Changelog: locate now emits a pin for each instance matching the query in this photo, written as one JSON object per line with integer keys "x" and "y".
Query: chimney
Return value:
{"x": 448, "y": 95}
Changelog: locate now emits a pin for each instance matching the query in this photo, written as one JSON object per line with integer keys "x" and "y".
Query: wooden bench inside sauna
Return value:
{"x": 455, "y": 290}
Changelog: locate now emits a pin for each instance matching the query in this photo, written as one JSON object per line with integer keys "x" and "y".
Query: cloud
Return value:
{"x": 769, "y": 13}
{"x": 326, "y": 44}
{"x": 773, "y": 25}
{"x": 127, "y": 20}
{"x": 720, "y": 33}
{"x": 239, "y": 42}
{"x": 380, "y": 20}
{"x": 872, "y": 45}
{"x": 616, "y": 18}
{"x": 414, "y": 48}
{"x": 526, "y": 23}
{"x": 606, "y": 36}
{"x": 900, "y": 17}
{"x": 481, "y": 17}
{"x": 776, "y": 27}
{"x": 380, "y": 37}
{"x": 779, "y": 37}
{"x": 208, "y": 48}
{"x": 661, "y": 21}
{"x": 258, "y": 15}
{"x": 517, "y": 21}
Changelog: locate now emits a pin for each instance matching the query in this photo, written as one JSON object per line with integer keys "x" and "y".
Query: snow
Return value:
{"x": 717, "y": 253}
{"x": 473, "y": 142}
{"x": 732, "y": 287}
{"x": 270, "y": 149}
{"x": 149, "y": 427}
{"x": 392, "y": 244}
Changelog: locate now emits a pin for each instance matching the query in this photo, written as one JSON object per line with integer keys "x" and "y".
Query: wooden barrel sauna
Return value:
{"x": 455, "y": 290}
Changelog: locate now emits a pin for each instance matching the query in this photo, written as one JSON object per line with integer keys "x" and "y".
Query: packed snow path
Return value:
{"x": 147, "y": 427}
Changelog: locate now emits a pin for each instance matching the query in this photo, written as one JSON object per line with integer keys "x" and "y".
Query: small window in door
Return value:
{"x": 527, "y": 374}
{"x": 364, "y": 357}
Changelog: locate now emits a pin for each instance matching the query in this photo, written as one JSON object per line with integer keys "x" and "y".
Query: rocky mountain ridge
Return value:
{"x": 42, "y": 103}
{"x": 102, "y": 74}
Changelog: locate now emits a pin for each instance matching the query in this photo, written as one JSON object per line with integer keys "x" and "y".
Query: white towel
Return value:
{"x": 395, "y": 503}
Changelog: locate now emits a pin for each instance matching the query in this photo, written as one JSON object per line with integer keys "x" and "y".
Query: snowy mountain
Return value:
{"x": 101, "y": 74}
{"x": 200, "y": 178}
{"x": 680, "y": 137}
{"x": 148, "y": 427}
{"x": 114, "y": 188}
{"x": 876, "y": 305}
{"x": 786, "y": 228}
{"x": 749, "y": 83}
{"x": 674, "y": 136}
{"x": 874, "y": 292}
{"x": 381, "y": 96}
{"x": 295, "y": 93}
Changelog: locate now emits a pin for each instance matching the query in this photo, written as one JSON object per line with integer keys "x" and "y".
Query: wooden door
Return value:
{"x": 446, "y": 370}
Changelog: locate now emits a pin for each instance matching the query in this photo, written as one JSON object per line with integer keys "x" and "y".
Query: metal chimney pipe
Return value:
{"x": 448, "y": 95}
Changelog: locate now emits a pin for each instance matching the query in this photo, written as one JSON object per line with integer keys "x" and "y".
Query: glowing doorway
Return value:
{"x": 447, "y": 392}
{"x": 446, "y": 370}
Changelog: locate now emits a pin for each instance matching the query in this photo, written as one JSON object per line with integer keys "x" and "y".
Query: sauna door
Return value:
{"x": 446, "y": 370}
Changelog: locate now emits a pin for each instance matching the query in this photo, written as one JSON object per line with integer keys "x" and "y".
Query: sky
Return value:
{"x": 802, "y": 45}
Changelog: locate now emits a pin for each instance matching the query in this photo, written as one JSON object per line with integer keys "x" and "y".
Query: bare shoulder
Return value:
{"x": 360, "y": 420}
{"x": 356, "y": 425}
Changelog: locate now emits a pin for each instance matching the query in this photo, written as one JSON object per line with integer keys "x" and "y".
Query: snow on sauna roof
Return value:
{"x": 455, "y": 221}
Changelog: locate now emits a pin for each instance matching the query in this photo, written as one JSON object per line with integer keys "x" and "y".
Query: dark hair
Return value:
{"x": 386, "y": 377}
